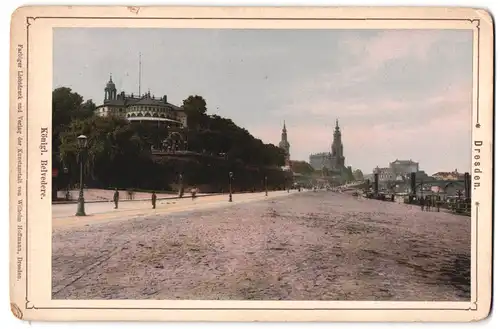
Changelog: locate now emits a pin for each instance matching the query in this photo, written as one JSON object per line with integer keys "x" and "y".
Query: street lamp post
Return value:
{"x": 82, "y": 145}
{"x": 67, "y": 185}
{"x": 265, "y": 182}
{"x": 181, "y": 186}
{"x": 230, "y": 190}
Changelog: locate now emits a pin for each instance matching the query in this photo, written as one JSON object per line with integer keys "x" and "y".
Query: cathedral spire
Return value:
{"x": 284, "y": 144}
{"x": 284, "y": 132}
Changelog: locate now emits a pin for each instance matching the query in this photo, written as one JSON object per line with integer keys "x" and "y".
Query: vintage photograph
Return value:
{"x": 262, "y": 164}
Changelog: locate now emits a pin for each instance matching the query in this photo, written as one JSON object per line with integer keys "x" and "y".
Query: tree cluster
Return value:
{"x": 301, "y": 167}
{"x": 119, "y": 153}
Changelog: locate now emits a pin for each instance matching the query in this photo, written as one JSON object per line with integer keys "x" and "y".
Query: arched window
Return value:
{"x": 128, "y": 115}
{"x": 147, "y": 114}
{"x": 132, "y": 114}
{"x": 162, "y": 115}
{"x": 155, "y": 115}
{"x": 139, "y": 114}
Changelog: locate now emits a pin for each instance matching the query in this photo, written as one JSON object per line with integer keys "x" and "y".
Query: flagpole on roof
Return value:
{"x": 140, "y": 67}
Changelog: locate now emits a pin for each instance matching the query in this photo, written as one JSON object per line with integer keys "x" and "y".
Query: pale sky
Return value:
{"x": 398, "y": 94}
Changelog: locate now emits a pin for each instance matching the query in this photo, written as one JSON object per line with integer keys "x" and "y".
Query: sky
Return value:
{"x": 398, "y": 94}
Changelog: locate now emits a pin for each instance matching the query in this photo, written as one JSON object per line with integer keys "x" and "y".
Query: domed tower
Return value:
{"x": 110, "y": 90}
{"x": 284, "y": 144}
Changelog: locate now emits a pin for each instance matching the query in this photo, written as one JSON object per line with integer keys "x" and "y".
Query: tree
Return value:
{"x": 195, "y": 108}
{"x": 119, "y": 152}
{"x": 349, "y": 174}
{"x": 67, "y": 106}
{"x": 301, "y": 167}
{"x": 114, "y": 152}
{"x": 88, "y": 109}
{"x": 358, "y": 175}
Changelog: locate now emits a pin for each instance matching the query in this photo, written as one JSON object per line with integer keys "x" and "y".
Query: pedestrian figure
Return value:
{"x": 438, "y": 204}
{"x": 428, "y": 208}
{"x": 392, "y": 197}
{"x": 422, "y": 203}
{"x": 153, "y": 199}
{"x": 116, "y": 197}
{"x": 193, "y": 193}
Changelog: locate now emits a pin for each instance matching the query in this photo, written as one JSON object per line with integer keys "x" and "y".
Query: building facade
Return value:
{"x": 332, "y": 162}
{"x": 403, "y": 167}
{"x": 398, "y": 170}
{"x": 385, "y": 174}
{"x": 141, "y": 108}
{"x": 320, "y": 160}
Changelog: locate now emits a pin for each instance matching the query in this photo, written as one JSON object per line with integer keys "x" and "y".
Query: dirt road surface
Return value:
{"x": 306, "y": 246}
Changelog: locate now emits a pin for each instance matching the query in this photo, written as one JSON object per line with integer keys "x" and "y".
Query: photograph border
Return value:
{"x": 476, "y": 126}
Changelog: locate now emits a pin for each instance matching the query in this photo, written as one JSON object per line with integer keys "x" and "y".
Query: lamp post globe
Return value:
{"x": 82, "y": 141}
{"x": 82, "y": 145}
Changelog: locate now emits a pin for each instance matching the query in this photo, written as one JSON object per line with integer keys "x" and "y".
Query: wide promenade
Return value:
{"x": 64, "y": 214}
{"x": 298, "y": 246}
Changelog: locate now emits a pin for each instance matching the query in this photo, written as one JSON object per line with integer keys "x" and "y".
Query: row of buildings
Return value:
{"x": 399, "y": 170}
{"x": 396, "y": 178}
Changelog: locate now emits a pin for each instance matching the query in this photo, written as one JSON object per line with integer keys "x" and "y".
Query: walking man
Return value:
{"x": 153, "y": 199}
{"x": 116, "y": 197}
{"x": 422, "y": 203}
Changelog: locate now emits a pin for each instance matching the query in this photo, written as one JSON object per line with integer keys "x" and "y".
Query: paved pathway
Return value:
{"x": 93, "y": 195}
{"x": 64, "y": 214}
{"x": 302, "y": 246}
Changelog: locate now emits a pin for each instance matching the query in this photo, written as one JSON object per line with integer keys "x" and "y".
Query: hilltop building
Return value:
{"x": 140, "y": 108}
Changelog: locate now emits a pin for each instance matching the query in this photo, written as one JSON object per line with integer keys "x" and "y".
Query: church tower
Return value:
{"x": 110, "y": 90}
{"x": 337, "y": 148}
{"x": 285, "y": 145}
